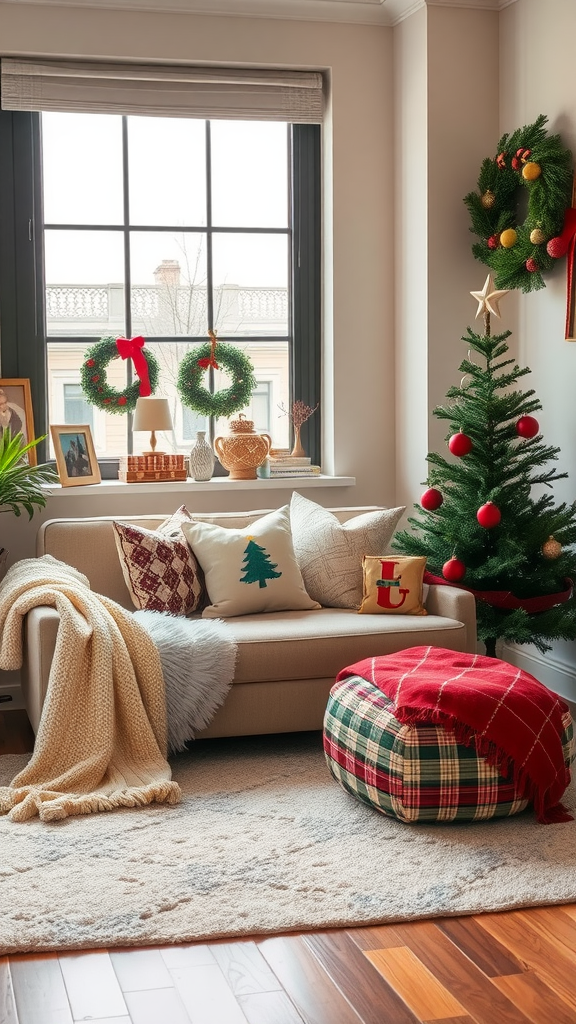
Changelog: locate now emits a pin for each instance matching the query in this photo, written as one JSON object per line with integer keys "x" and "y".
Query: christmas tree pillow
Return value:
{"x": 249, "y": 570}
{"x": 393, "y": 585}
{"x": 330, "y": 553}
{"x": 160, "y": 571}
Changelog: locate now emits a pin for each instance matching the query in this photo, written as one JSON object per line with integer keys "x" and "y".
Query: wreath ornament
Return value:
{"x": 93, "y": 374}
{"x": 520, "y": 253}
{"x": 203, "y": 357}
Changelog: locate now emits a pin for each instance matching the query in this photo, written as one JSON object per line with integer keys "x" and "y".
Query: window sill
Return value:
{"x": 217, "y": 484}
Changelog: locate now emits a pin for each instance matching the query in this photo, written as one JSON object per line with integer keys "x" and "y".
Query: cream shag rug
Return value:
{"x": 264, "y": 841}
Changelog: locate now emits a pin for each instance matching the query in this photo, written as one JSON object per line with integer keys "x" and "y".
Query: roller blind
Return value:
{"x": 169, "y": 91}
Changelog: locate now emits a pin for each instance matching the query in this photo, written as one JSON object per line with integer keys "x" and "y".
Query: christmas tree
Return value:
{"x": 257, "y": 565}
{"x": 486, "y": 522}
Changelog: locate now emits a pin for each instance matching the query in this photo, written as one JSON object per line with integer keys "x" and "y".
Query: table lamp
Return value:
{"x": 152, "y": 414}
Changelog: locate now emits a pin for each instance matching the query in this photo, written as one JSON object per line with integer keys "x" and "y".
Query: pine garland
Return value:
{"x": 493, "y": 209}
{"x": 501, "y": 467}
{"x": 219, "y": 403}
{"x": 95, "y": 385}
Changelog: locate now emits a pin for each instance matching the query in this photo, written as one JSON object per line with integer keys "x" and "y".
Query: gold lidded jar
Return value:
{"x": 242, "y": 450}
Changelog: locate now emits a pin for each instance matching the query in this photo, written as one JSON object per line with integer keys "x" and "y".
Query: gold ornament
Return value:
{"x": 508, "y": 238}
{"x": 537, "y": 237}
{"x": 488, "y": 199}
{"x": 551, "y": 548}
{"x": 531, "y": 171}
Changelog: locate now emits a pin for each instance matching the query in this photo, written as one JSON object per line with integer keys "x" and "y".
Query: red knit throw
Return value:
{"x": 514, "y": 721}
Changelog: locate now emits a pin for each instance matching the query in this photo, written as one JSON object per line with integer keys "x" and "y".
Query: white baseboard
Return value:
{"x": 556, "y": 675}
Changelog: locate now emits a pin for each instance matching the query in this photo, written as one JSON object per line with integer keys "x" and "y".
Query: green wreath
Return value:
{"x": 218, "y": 403}
{"x": 519, "y": 253}
{"x": 93, "y": 374}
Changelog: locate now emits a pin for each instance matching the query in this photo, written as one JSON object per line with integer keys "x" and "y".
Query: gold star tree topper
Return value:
{"x": 489, "y": 299}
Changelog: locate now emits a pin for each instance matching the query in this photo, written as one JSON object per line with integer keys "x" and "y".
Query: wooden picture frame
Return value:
{"x": 16, "y": 410}
{"x": 75, "y": 456}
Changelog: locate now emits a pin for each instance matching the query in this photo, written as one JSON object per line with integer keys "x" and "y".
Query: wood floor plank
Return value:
{"x": 414, "y": 983}
{"x": 537, "y": 1001}
{"x": 186, "y": 956}
{"x": 39, "y": 990}
{"x": 16, "y": 735}
{"x": 8, "y": 1013}
{"x": 489, "y": 955}
{"x": 451, "y": 1020}
{"x": 139, "y": 969}
{"x": 373, "y": 998}
{"x": 540, "y": 955}
{"x": 244, "y": 968}
{"x": 92, "y": 985}
{"x": 380, "y": 937}
{"x": 556, "y": 926}
{"x": 269, "y": 1008}
{"x": 459, "y": 975}
{"x": 206, "y": 995}
{"x": 315, "y": 997}
{"x": 156, "y": 1006}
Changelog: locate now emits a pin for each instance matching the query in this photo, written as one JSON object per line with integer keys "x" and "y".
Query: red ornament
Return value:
{"x": 531, "y": 265}
{"x": 489, "y": 515}
{"x": 431, "y": 499}
{"x": 501, "y": 160}
{"x": 527, "y": 426}
{"x": 516, "y": 163}
{"x": 95, "y": 377}
{"x": 460, "y": 444}
{"x": 90, "y": 362}
{"x": 122, "y": 400}
{"x": 453, "y": 570}
{"x": 106, "y": 401}
{"x": 493, "y": 241}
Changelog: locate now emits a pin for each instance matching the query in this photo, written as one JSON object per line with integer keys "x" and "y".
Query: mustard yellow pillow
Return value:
{"x": 392, "y": 585}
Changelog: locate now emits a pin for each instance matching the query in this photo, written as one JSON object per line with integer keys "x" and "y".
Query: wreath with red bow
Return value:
{"x": 93, "y": 374}
{"x": 213, "y": 354}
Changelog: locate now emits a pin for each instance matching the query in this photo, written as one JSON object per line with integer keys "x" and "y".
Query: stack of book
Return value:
{"x": 143, "y": 468}
{"x": 284, "y": 464}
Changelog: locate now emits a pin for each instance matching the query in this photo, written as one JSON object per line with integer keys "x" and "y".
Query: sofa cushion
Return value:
{"x": 308, "y": 645}
{"x": 330, "y": 553}
{"x": 393, "y": 585}
{"x": 159, "y": 568}
{"x": 249, "y": 570}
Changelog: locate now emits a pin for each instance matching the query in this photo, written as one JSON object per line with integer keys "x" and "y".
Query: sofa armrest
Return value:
{"x": 40, "y": 630}
{"x": 453, "y": 603}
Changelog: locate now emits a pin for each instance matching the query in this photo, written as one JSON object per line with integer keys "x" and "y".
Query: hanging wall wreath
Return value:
{"x": 93, "y": 374}
{"x": 520, "y": 253}
{"x": 218, "y": 403}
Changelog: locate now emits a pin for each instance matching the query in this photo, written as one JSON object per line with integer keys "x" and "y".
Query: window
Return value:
{"x": 164, "y": 227}
{"x": 76, "y": 408}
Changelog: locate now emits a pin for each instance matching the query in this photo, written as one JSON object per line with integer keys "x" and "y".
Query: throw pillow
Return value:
{"x": 393, "y": 584}
{"x": 160, "y": 571}
{"x": 330, "y": 553}
{"x": 249, "y": 570}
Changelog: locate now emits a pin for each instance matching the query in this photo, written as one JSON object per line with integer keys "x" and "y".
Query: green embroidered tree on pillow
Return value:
{"x": 257, "y": 565}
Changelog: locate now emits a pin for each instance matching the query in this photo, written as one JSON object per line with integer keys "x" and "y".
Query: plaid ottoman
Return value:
{"x": 413, "y": 772}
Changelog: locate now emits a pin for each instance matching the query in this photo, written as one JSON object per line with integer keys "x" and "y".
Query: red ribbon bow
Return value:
{"x": 131, "y": 348}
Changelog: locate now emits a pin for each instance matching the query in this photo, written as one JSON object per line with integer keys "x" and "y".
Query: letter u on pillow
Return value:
{"x": 249, "y": 570}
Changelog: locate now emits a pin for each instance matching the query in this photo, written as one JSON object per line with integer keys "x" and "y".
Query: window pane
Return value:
{"x": 82, "y": 168}
{"x": 272, "y": 394}
{"x": 168, "y": 283}
{"x": 249, "y": 174}
{"x": 186, "y": 422}
{"x": 167, "y": 168}
{"x": 84, "y": 282}
{"x": 251, "y": 284}
{"x": 67, "y": 404}
{"x": 77, "y": 408}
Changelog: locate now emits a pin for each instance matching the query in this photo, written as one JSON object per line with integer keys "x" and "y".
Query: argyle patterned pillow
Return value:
{"x": 161, "y": 573}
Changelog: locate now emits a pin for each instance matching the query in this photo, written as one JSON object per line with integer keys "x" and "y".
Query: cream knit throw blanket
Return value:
{"x": 101, "y": 742}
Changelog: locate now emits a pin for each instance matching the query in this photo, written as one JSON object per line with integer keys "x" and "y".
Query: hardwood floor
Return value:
{"x": 507, "y": 968}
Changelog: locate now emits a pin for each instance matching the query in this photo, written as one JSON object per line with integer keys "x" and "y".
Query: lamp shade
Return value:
{"x": 152, "y": 414}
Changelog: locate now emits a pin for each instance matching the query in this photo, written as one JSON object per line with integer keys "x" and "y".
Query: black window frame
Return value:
{"x": 22, "y": 291}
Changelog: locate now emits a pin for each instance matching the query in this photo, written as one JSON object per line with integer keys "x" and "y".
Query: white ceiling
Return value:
{"x": 367, "y": 12}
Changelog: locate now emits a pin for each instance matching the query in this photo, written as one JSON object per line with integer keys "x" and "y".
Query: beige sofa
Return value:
{"x": 287, "y": 661}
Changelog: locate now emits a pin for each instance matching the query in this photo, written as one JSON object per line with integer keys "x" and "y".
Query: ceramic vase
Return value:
{"x": 243, "y": 450}
{"x": 201, "y": 458}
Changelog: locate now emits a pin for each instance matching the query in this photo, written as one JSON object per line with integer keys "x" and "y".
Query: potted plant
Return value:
{"x": 20, "y": 483}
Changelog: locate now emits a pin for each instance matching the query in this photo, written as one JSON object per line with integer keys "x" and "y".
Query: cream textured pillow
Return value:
{"x": 160, "y": 571}
{"x": 249, "y": 570}
{"x": 330, "y": 553}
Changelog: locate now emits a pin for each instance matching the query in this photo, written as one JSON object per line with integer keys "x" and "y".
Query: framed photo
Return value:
{"x": 75, "y": 455}
{"x": 16, "y": 410}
